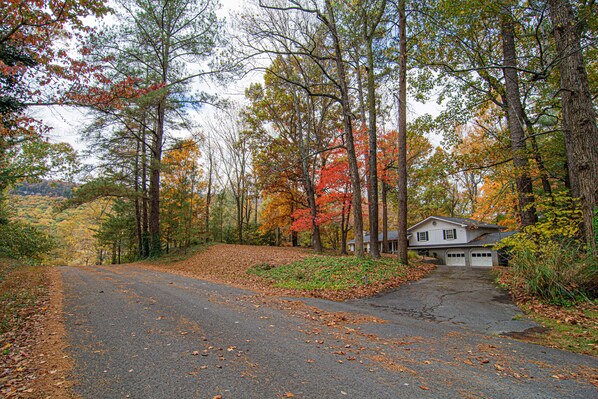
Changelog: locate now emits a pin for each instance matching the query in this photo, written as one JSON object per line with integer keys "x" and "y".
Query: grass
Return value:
{"x": 569, "y": 333}
{"x": 571, "y": 325}
{"x": 330, "y": 272}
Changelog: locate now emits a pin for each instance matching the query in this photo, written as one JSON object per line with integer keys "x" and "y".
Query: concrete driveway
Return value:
{"x": 465, "y": 297}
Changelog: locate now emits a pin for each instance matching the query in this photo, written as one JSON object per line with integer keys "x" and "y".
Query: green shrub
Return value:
{"x": 563, "y": 272}
{"x": 21, "y": 240}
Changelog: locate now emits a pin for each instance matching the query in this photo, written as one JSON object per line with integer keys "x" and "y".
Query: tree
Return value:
{"x": 516, "y": 118}
{"x": 182, "y": 180}
{"x": 402, "y": 137}
{"x": 230, "y": 129}
{"x": 371, "y": 18}
{"x": 34, "y": 71}
{"x": 300, "y": 131}
{"x": 158, "y": 39}
{"x": 579, "y": 114}
{"x": 317, "y": 35}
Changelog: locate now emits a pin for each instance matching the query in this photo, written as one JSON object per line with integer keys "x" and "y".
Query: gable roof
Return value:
{"x": 463, "y": 222}
{"x": 485, "y": 240}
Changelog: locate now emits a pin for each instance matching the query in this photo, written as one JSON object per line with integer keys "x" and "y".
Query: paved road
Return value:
{"x": 143, "y": 334}
{"x": 460, "y": 296}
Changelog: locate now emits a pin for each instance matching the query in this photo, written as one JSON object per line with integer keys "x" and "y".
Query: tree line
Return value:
{"x": 323, "y": 145}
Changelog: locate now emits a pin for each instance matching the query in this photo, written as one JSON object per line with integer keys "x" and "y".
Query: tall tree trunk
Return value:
{"x": 356, "y": 58}
{"x": 348, "y": 130}
{"x": 571, "y": 181}
{"x": 256, "y": 198}
{"x": 308, "y": 186}
{"x": 541, "y": 166}
{"x": 384, "y": 218}
{"x": 343, "y": 237}
{"x": 138, "y": 199}
{"x": 516, "y": 119}
{"x": 239, "y": 219}
{"x": 209, "y": 195}
{"x": 145, "y": 194}
{"x": 582, "y": 133}
{"x": 154, "y": 188}
{"x": 373, "y": 145}
{"x": 402, "y": 142}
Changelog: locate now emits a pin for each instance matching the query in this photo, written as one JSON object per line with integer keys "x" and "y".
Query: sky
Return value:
{"x": 68, "y": 122}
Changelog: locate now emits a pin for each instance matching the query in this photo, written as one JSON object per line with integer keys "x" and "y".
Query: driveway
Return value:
{"x": 143, "y": 334}
{"x": 458, "y": 296}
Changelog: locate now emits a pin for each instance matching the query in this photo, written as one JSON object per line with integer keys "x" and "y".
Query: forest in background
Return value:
{"x": 321, "y": 150}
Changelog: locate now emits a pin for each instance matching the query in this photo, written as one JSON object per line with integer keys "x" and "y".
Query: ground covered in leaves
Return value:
{"x": 573, "y": 327}
{"x": 294, "y": 271}
{"x": 32, "y": 359}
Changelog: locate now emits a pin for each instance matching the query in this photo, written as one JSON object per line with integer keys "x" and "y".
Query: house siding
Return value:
{"x": 435, "y": 234}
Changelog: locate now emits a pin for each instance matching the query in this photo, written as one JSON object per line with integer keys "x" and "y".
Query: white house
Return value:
{"x": 454, "y": 241}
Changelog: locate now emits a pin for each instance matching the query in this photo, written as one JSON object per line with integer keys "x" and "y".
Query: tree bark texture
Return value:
{"x": 154, "y": 187}
{"x": 373, "y": 146}
{"x": 402, "y": 141}
{"x": 348, "y": 130}
{"x": 145, "y": 194}
{"x": 308, "y": 185}
{"x": 581, "y": 134}
{"x": 516, "y": 120}
{"x": 384, "y": 218}
{"x": 209, "y": 195}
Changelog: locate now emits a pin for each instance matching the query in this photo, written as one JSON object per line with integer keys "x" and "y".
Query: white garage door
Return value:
{"x": 481, "y": 258}
{"x": 455, "y": 258}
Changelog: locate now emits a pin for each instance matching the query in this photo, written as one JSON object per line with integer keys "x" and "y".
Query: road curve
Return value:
{"x": 135, "y": 333}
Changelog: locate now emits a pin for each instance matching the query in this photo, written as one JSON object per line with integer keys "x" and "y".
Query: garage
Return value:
{"x": 481, "y": 258}
{"x": 455, "y": 258}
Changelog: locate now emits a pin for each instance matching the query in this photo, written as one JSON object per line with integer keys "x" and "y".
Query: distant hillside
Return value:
{"x": 46, "y": 188}
{"x": 73, "y": 229}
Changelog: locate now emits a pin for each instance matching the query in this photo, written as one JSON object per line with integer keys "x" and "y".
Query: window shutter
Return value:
{"x": 454, "y": 234}
{"x": 444, "y": 234}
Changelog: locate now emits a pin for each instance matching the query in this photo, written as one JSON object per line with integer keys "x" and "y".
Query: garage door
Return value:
{"x": 481, "y": 258}
{"x": 455, "y": 258}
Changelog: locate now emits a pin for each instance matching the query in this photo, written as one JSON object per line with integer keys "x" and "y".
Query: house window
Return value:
{"x": 450, "y": 234}
{"x": 422, "y": 236}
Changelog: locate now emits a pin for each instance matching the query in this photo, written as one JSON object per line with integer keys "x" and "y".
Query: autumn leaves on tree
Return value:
{"x": 323, "y": 150}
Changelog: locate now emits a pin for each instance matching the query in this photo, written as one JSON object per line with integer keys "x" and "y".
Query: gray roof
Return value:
{"x": 469, "y": 223}
{"x": 491, "y": 238}
{"x": 485, "y": 240}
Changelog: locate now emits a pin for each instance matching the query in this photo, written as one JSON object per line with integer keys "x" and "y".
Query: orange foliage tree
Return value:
{"x": 181, "y": 204}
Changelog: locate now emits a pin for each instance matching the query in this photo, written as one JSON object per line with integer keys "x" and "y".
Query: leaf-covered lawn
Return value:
{"x": 20, "y": 289}
{"x": 33, "y": 363}
{"x": 330, "y": 272}
{"x": 573, "y": 327}
{"x": 293, "y": 271}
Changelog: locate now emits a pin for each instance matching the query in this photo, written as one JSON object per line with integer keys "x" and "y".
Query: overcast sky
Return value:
{"x": 67, "y": 122}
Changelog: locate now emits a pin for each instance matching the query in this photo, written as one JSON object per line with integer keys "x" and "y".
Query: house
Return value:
{"x": 454, "y": 241}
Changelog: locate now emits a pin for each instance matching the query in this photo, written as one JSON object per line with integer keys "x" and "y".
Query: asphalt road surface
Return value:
{"x": 135, "y": 333}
